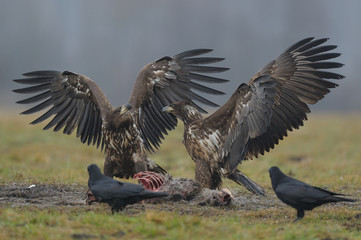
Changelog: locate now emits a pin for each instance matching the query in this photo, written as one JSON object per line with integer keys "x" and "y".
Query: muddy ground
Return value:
{"x": 44, "y": 196}
{"x": 50, "y": 195}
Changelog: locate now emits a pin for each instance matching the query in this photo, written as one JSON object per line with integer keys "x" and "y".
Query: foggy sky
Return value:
{"x": 110, "y": 41}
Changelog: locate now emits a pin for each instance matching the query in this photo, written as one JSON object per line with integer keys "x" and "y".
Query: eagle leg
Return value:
{"x": 150, "y": 180}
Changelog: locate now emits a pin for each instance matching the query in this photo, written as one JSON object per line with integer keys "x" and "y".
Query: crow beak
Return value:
{"x": 167, "y": 109}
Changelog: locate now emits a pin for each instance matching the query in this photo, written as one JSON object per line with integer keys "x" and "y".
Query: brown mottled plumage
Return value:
{"x": 130, "y": 131}
{"x": 258, "y": 114}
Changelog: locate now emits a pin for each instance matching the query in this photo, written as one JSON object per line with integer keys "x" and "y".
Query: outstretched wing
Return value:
{"x": 168, "y": 80}
{"x": 301, "y": 80}
{"x": 75, "y": 100}
{"x": 247, "y": 114}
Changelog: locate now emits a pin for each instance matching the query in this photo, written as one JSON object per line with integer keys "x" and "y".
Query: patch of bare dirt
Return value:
{"x": 72, "y": 197}
{"x": 51, "y": 195}
{"x": 41, "y": 195}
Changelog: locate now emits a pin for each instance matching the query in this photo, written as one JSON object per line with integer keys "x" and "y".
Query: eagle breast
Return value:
{"x": 204, "y": 144}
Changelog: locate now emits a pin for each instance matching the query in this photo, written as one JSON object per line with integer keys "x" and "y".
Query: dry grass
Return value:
{"x": 326, "y": 152}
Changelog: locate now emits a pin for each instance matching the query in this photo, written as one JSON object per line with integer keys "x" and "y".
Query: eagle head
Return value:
{"x": 119, "y": 116}
{"x": 185, "y": 110}
{"x": 123, "y": 109}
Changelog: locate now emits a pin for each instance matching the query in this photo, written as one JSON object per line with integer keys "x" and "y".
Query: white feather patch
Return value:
{"x": 112, "y": 144}
{"x": 173, "y": 66}
{"x": 158, "y": 72}
{"x": 135, "y": 157}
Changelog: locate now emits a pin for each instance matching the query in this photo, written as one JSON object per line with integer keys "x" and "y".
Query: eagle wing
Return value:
{"x": 301, "y": 80}
{"x": 247, "y": 114}
{"x": 74, "y": 101}
{"x": 168, "y": 80}
{"x": 275, "y": 100}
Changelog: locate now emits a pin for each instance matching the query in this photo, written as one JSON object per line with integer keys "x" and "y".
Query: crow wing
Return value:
{"x": 110, "y": 188}
{"x": 168, "y": 80}
{"x": 297, "y": 193}
{"x": 75, "y": 100}
{"x": 301, "y": 80}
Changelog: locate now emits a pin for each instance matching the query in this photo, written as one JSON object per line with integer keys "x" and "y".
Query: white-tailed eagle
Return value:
{"x": 259, "y": 114}
{"x": 130, "y": 131}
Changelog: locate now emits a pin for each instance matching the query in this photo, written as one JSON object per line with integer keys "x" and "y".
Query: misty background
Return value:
{"x": 110, "y": 40}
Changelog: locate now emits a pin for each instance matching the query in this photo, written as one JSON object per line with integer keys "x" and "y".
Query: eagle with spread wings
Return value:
{"x": 259, "y": 114}
{"x": 127, "y": 132}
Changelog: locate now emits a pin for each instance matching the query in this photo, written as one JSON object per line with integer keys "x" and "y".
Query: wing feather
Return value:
{"x": 65, "y": 115}
{"x": 85, "y": 124}
{"x": 59, "y": 115}
{"x": 203, "y": 78}
{"x": 34, "y": 89}
{"x": 247, "y": 114}
{"x": 70, "y": 123}
{"x": 168, "y": 80}
{"x": 74, "y": 101}
{"x": 91, "y": 123}
{"x": 36, "y": 98}
{"x": 204, "y": 89}
{"x": 301, "y": 80}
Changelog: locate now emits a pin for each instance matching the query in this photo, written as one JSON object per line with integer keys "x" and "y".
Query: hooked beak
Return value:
{"x": 125, "y": 108}
{"x": 167, "y": 109}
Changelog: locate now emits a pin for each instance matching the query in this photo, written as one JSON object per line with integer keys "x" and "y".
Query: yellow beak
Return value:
{"x": 167, "y": 109}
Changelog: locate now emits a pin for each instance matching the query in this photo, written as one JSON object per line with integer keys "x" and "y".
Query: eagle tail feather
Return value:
{"x": 238, "y": 177}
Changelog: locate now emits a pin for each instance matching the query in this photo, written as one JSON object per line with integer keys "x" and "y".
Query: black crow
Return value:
{"x": 115, "y": 193}
{"x": 300, "y": 195}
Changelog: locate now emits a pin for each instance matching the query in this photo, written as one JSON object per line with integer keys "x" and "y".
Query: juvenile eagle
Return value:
{"x": 128, "y": 131}
{"x": 258, "y": 114}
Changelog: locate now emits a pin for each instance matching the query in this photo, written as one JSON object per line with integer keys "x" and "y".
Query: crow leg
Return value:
{"x": 300, "y": 214}
{"x": 116, "y": 210}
